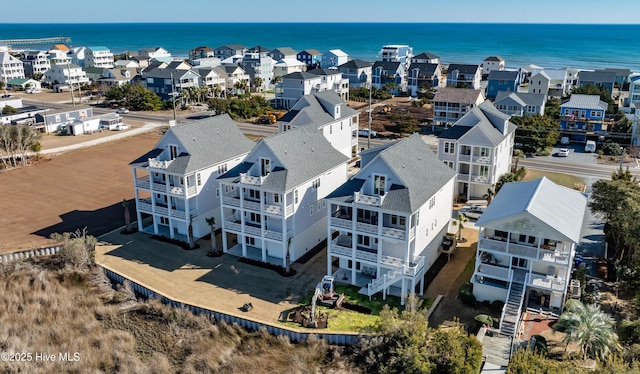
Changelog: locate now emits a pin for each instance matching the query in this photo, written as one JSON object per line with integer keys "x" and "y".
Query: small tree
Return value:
{"x": 517, "y": 155}
{"x": 460, "y": 223}
{"x": 287, "y": 257}
{"x": 127, "y": 215}
{"x": 77, "y": 248}
{"x": 211, "y": 221}
{"x": 491, "y": 192}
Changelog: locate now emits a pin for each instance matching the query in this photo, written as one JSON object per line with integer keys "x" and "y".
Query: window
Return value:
{"x": 199, "y": 179}
{"x": 484, "y": 171}
{"x": 276, "y": 198}
{"x": 432, "y": 202}
{"x": 265, "y": 166}
{"x": 449, "y": 164}
{"x": 295, "y": 196}
{"x": 254, "y": 194}
{"x": 222, "y": 168}
{"x": 330, "y": 129}
{"x": 249, "y": 240}
{"x": 319, "y": 206}
{"x": 378, "y": 185}
{"x": 181, "y": 181}
{"x": 397, "y": 220}
{"x": 484, "y": 152}
{"x": 316, "y": 183}
{"x": 311, "y": 209}
{"x": 217, "y": 192}
{"x": 149, "y": 80}
{"x": 173, "y": 150}
{"x": 449, "y": 147}
{"x": 164, "y": 220}
{"x": 255, "y": 217}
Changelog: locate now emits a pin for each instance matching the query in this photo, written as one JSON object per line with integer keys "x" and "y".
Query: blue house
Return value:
{"x": 311, "y": 57}
{"x": 165, "y": 79}
{"x": 503, "y": 80}
{"x": 387, "y": 72}
{"x": 598, "y": 78}
{"x": 581, "y": 115}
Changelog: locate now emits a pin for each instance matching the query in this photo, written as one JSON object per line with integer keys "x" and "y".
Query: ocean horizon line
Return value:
{"x": 326, "y": 23}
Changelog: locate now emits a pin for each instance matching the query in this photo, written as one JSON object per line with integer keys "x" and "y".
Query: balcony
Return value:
{"x": 518, "y": 250}
{"x": 480, "y": 178}
{"x": 273, "y": 235}
{"x": 248, "y": 179}
{"x": 231, "y": 200}
{"x": 482, "y": 159}
{"x": 554, "y": 257}
{"x": 463, "y": 177}
{"x": 275, "y": 210}
{"x": 394, "y": 233}
{"x": 157, "y": 164}
{"x": 341, "y": 222}
{"x": 339, "y": 246}
{"x": 367, "y": 254}
{"x": 143, "y": 183}
{"x": 252, "y": 230}
{"x": 360, "y": 198}
{"x": 182, "y": 215}
{"x": 464, "y": 158}
{"x": 159, "y": 187}
{"x": 365, "y": 227}
{"x": 145, "y": 206}
{"x": 547, "y": 282}
{"x": 251, "y": 205}
{"x": 493, "y": 271}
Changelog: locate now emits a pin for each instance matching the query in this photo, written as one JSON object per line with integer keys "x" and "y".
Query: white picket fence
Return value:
{"x": 21, "y": 255}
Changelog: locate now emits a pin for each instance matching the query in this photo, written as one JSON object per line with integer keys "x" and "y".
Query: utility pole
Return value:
{"x": 73, "y": 100}
{"x": 173, "y": 98}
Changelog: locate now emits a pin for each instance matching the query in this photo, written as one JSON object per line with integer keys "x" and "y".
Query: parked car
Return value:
{"x": 590, "y": 146}
{"x": 473, "y": 213}
{"x": 34, "y": 91}
{"x": 122, "y": 111}
{"x": 563, "y": 152}
{"x": 365, "y": 133}
{"x": 122, "y": 126}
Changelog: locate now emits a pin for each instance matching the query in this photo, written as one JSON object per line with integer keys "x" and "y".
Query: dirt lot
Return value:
{"x": 380, "y": 120}
{"x": 69, "y": 190}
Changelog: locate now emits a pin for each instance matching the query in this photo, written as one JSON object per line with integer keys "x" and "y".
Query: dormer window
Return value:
{"x": 379, "y": 182}
{"x": 173, "y": 151}
{"x": 265, "y": 167}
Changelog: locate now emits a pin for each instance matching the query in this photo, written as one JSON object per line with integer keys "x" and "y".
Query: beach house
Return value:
{"x": 282, "y": 53}
{"x": 526, "y": 247}
{"x": 503, "y": 80}
{"x": 295, "y": 85}
{"x": 333, "y": 58}
{"x": 10, "y": 67}
{"x": 389, "y": 73}
{"x": 597, "y": 78}
{"x": 450, "y": 104}
{"x": 423, "y": 76}
{"x": 358, "y": 72}
{"x": 388, "y": 220}
{"x": 272, "y": 203}
{"x": 582, "y": 117}
{"x": 520, "y": 104}
{"x": 175, "y": 183}
{"x": 479, "y": 148}
{"x": 396, "y": 53}
{"x": 492, "y": 63}
{"x": 311, "y": 57}
{"x": 226, "y": 51}
{"x": 35, "y": 62}
{"x": 98, "y": 56}
{"x": 425, "y": 58}
{"x": 464, "y": 76}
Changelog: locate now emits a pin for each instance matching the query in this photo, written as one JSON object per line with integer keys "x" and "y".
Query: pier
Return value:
{"x": 39, "y": 41}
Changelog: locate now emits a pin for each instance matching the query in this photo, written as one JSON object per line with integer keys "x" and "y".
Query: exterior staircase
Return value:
{"x": 379, "y": 284}
{"x": 511, "y": 312}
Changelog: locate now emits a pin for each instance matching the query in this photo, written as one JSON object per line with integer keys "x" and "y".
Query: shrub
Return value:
{"x": 496, "y": 306}
{"x": 466, "y": 294}
{"x": 611, "y": 148}
{"x": 544, "y": 152}
{"x": 630, "y": 332}
{"x": 540, "y": 344}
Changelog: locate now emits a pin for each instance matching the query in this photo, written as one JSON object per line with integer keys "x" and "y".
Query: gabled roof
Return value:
{"x": 207, "y": 142}
{"x": 421, "y": 175}
{"x": 287, "y": 51}
{"x": 427, "y": 69}
{"x": 585, "y": 102}
{"x": 464, "y": 68}
{"x": 597, "y": 76}
{"x": 300, "y": 75}
{"x": 303, "y": 153}
{"x": 457, "y": 95}
{"x": 60, "y": 47}
{"x": 488, "y": 126}
{"x": 202, "y": 48}
{"x": 356, "y": 64}
{"x": 322, "y": 71}
{"x": 618, "y": 71}
{"x": 289, "y": 61}
{"x": 538, "y": 205}
{"x": 494, "y": 58}
{"x": 425, "y": 56}
{"x": 510, "y": 75}
{"x": 234, "y": 47}
{"x": 259, "y": 49}
{"x": 337, "y": 52}
{"x": 317, "y": 109}
{"x": 387, "y": 65}
{"x": 312, "y": 52}
{"x": 522, "y": 98}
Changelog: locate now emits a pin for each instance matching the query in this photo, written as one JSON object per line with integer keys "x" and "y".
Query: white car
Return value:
{"x": 34, "y": 91}
{"x": 473, "y": 213}
{"x": 365, "y": 133}
{"x": 563, "y": 152}
{"x": 122, "y": 126}
{"x": 122, "y": 111}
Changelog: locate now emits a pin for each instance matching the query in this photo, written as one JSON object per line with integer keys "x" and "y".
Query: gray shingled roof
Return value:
{"x": 425, "y": 56}
{"x": 322, "y": 71}
{"x": 522, "y": 98}
{"x": 387, "y": 65}
{"x": 503, "y": 74}
{"x": 299, "y": 75}
{"x": 312, "y": 52}
{"x": 457, "y": 95}
{"x": 597, "y": 76}
{"x": 259, "y": 49}
{"x": 311, "y": 109}
{"x": 303, "y": 153}
{"x": 421, "y": 176}
{"x": 356, "y": 64}
{"x": 427, "y": 69}
{"x": 539, "y": 201}
{"x": 454, "y": 132}
{"x": 463, "y": 68}
{"x": 494, "y": 58}
{"x": 207, "y": 142}
{"x": 486, "y": 122}
{"x": 287, "y": 51}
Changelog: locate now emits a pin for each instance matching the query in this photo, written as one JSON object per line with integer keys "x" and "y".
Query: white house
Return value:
{"x": 492, "y": 63}
{"x": 10, "y": 67}
{"x": 450, "y": 104}
{"x": 58, "y": 55}
{"x": 157, "y": 53}
{"x": 66, "y": 74}
{"x": 333, "y": 58}
{"x": 272, "y": 207}
{"x": 387, "y": 222}
{"x": 464, "y": 76}
{"x": 56, "y": 120}
{"x": 294, "y": 86}
{"x": 328, "y": 113}
{"x": 520, "y": 104}
{"x": 175, "y": 183}
{"x": 479, "y": 147}
{"x": 396, "y": 53}
{"x": 258, "y": 65}
{"x": 553, "y": 82}
{"x": 99, "y": 56}
{"x": 526, "y": 247}
{"x": 288, "y": 66}
{"x": 358, "y": 72}
{"x": 35, "y": 62}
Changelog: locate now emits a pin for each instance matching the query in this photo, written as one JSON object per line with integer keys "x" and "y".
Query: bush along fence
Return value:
{"x": 21, "y": 255}
{"x": 296, "y": 336}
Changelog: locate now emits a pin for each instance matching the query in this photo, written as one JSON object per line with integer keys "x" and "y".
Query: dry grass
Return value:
{"x": 47, "y": 308}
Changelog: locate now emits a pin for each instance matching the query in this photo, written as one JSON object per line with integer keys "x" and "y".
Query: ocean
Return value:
{"x": 546, "y": 45}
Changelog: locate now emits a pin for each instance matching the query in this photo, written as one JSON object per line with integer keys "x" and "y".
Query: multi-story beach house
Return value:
{"x": 388, "y": 220}
{"x": 450, "y": 104}
{"x": 68, "y": 74}
{"x": 328, "y": 113}
{"x": 358, "y": 72}
{"x": 492, "y": 63}
{"x": 272, "y": 203}
{"x": 333, "y": 58}
{"x": 58, "y": 55}
{"x": 215, "y": 78}
{"x": 582, "y": 117}
{"x": 293, "y": 86}
{"x": 258, "y": 65}
{"x": 634, "y": 93}
{"x": 288, "y": 66}
{"x": 553, "y": 82}
{"x": 423, "y": 76}
{"x": 597, "y": 78}
{"x": 234, "y": 75}
{"x": 10, "y": 67}
{"x": 464, "y": 76}
{"x": 311, "y": 57}
{"x": 167, "y": 79}
{"x": 389, "y": 73}
{"x": 503, "y": 80}
{"x": 154, "y": 53}
{"x": 282, "y": 53}
{"x": 35, "y": 62}
{"x": 396, "y": 53}
{"x": 479, "y": 148}
{"x": 98, "y": 56}
{"x": 425, "y": 58}
{"x": 118, "y": 76}
{"x": 520, "y": 104}
{"x": 175, "y": 183}
{"x": 226, "y": 51}
{"x": 200, "y": 53}
{"x": 526, "y": 247}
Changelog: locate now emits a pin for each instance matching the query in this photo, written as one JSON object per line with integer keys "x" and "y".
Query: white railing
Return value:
{"x": 554, "y": 256}
{"x": 231, "y": 201}
{"x": 368, "y": 199}
{"x": 273, "y": 209}
{"x": 252, "y": 230}
{"x": 549, "y": 282}
{"x": 247, "y": 179}
{"x": 365, "y": 227}
{"x": 511, "y": 248}
{"x": 174, "y": 190}
{"x": 144, "y": 207}
{"x": 340, "y": 250}
{"x": 289, "y": 209}
{"x": 160, "y": 187}
{"x": 143, "y": 183}
{"x": 191, "y": 190}
{"x": 393, "y": 262}
{"x": 480, "y": 178}
{"x": 413, "y": 270}
{"x": 340, "y": 222}
{"x": 394, "y": 233}
{"x": 252, "y": 205}
{"x": 273, "y": 235}
{"x": 233, "y": 226}
{"x": 412, "y": 233}
{"x": 162, "y": 210}
{"x": 153, "y": 163}
{"x": 463, "y": 177}
{"x": 383, "y": 282}
{"x": 494, "y": 271}
{"x": 366, "y": 256}
{"x": 466, "y": 158}
{"x": 482, "y": 159}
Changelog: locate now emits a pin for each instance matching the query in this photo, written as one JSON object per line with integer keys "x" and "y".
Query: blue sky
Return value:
{"x": 496, "y": 11}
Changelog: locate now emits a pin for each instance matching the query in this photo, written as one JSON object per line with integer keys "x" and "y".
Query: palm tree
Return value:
{"x": 257, "y": 81}
{"x": 211, "y": 221}
{"x": 589, "y": 327}
{"x": 460, "y": 223}
{"x": 490, "y": 194}
{"x": 127, "y": 215}
{"x": 276, "y": 79}
{"x": 517, "y": 154}
{"x": 287, "y": 257}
